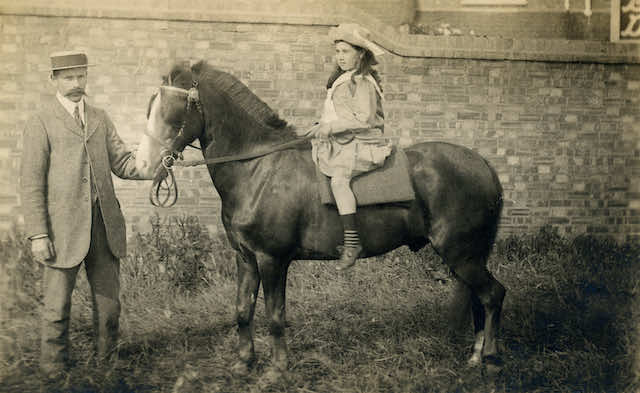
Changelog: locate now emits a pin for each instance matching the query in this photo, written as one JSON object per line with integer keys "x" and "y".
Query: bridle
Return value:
{"x": 193, "y": 99}
{"x": 172, "y": 150}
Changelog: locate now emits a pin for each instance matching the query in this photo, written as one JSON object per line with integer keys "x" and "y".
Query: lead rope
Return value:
{"x": 167, "y": 187}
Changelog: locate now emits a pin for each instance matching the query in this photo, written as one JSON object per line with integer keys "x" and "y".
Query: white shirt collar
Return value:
{"x": 70, "y": 106}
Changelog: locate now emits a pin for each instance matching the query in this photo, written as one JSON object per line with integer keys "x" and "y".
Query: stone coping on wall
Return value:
{"x": 391, "y": 38}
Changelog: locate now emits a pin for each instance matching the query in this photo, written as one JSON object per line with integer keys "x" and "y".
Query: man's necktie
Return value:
{"x": 76, "y": 115}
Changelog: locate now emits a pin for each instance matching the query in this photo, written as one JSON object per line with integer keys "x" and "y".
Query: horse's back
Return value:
{"x": 461, "y": 195}
{"x": 454, "y": 162}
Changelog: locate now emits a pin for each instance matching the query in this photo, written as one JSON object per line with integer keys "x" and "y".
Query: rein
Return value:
{"x": 248, "y": 156}
{"x": 170, "y": 187}
{"x": 242, "y": 157}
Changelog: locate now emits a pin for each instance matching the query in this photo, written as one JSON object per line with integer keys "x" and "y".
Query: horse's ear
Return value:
{"x": 197, "y": 67}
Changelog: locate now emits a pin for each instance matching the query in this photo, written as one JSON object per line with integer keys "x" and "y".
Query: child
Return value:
{"x": 348, "y": 137}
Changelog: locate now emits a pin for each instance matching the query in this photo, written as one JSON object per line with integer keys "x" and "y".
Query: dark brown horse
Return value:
{"x": 272, "y": 213}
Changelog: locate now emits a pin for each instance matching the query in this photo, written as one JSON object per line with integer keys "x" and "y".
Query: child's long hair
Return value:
{"x": 365, "y": 67}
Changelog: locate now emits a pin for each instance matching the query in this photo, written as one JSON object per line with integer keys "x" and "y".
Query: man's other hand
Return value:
{"x": 42, "y": 250}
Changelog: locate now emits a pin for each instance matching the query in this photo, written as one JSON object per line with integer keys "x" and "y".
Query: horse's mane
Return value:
{"x": 181, "y": 76}
{"x": 253, "y": 123}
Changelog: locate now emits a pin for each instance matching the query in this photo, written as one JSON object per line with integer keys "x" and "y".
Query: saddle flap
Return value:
{"x": 390, "y": 183}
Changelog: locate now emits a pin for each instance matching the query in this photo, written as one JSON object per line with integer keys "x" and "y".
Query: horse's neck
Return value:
{"x": 235, "y": 133}
{"x": 234, "y": 179}
{"x": 246, "y": 136}
{"x": 225, "y": 176}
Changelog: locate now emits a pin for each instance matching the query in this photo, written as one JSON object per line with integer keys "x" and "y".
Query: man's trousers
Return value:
{"x": 103, "y": 274}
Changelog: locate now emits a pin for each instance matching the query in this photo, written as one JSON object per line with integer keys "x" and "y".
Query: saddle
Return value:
{"x": 388, "y": 184}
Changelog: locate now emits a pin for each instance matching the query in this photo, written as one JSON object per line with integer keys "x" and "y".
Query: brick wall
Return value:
{"x": 563, "y": 136}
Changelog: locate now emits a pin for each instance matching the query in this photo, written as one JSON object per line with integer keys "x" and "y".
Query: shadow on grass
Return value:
{"x": 568, "y": 321}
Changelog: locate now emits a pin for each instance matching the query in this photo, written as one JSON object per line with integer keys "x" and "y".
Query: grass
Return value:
{"x": 569, "y": 321}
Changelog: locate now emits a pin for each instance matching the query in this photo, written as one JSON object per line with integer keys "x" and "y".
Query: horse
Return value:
{"x": 272, "y": 213}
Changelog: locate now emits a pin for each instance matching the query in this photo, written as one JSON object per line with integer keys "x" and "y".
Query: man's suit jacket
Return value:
{"x": 57, "y": 163}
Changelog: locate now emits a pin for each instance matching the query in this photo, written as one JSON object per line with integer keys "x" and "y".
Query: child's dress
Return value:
{"x": 354, "y": 111}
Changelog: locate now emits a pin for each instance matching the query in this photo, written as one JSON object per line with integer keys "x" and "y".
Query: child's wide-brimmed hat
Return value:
{"x": 68, "y": 59}
{"x": 356, "y": 35}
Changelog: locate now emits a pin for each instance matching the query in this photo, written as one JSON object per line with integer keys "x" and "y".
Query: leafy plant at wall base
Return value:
{"x": 183, "y": 251}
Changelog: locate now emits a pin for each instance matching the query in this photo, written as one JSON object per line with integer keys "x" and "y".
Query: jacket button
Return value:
{"x": 84, "y": 180}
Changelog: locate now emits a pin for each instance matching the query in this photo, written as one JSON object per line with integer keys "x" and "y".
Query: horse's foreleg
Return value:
{"x": 248, "y": 284}
{"x": 274, "y": 283}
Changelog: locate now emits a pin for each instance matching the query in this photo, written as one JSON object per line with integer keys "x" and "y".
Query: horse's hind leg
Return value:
{"x": 248, "y": 284}
{"x": 479, "y": 315}
{"x": 463, "y": 304}
{"x": 487, "y": 295}
{"x": 459, "y": 308}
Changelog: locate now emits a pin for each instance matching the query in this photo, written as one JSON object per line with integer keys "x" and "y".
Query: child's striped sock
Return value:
{"x": 351, "y": 238}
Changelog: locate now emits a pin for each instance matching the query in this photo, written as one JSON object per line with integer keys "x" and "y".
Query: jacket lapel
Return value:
{"x": 68, "y": 121}
{"x": 92, "y": 118}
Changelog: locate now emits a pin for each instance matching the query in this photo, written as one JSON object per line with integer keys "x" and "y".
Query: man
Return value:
{"x": 70, "y": 209}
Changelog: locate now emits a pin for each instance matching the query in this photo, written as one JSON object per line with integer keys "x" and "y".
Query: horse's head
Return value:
{"x": 198, "y": 96}
{"x": 173, "y": 121}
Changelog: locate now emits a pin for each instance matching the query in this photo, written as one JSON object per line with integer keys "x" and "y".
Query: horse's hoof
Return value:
{"x": 240, "y": 369}
{"x": 493, "y": 364}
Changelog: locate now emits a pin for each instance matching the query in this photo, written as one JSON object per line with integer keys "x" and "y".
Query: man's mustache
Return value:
{"x": 75, "y": 91}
